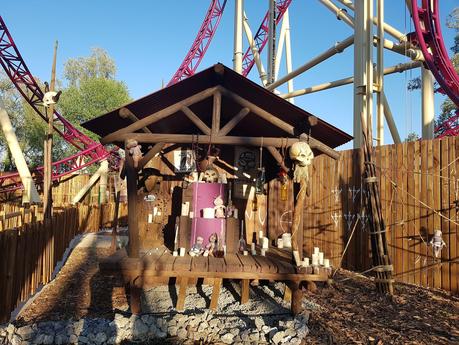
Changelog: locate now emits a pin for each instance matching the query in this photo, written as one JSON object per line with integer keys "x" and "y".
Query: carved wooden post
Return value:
{"x": 131, "y": 176}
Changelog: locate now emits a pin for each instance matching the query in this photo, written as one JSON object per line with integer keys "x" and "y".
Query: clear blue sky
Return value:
{"x": 148, "y": 40}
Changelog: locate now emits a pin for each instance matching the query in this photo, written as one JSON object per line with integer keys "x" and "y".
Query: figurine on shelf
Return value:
{"x": 197, "y": 248}
{"x": 212, "y": 245}
{"x": 219, "y": 207}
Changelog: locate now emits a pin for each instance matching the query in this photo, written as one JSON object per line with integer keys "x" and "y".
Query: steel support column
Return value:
{"x": 238, "y": 23}
{"x": 428, "y": 111}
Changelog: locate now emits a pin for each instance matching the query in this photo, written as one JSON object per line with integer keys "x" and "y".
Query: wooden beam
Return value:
{"x": 216, "y": 113}
{"x": 150, "y": 154}
{"x": 278, "y": 157}
{"x": 245, "y": 290}
{"x": 159, "y": 115}
{"x": 196, "y": 120}
{"x": 125, "y": 113}
{"x": 133, "y": 227}
{"x": 182, "y": 294}
{"x": 215, "y": 293}
{"x": 234, "y": 121}
{"x": 274, "y": 120}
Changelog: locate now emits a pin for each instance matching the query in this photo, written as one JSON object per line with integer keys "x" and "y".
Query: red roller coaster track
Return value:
{"x": 427, "y": 23}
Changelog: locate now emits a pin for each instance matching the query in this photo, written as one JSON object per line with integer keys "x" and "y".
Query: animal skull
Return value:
{"x": 302, "y": 154}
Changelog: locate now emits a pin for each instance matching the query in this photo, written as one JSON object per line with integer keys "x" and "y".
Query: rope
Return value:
{"x": 345, "y": 248}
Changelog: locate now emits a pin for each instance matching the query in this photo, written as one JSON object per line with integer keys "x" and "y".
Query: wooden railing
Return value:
{"x": 30, "y": 247}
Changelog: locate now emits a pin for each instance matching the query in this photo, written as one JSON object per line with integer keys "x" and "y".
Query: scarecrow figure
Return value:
{"x": 437, "y": 243}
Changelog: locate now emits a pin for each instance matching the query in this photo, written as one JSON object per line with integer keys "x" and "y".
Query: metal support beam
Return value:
{"x": 238, "y": 22}
{"x": 428, "y": 110}
{"x": 337, "y": 48}
{"x": 30, "y": 194}
{"x": 288, "y": 51}
{"x": 271, "y": 41}
{"x": 255, "y": 52}
{"x": 379, "y": 75}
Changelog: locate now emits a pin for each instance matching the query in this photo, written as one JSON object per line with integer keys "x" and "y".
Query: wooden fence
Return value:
{"x": 419, "y": 185}
{"x": 31, "y": 248}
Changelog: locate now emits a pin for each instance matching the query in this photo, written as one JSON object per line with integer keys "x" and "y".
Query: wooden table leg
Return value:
{"x": 245, "y": 290}
{"x": 215, "y": 293}
{"x": 135, "y": 299}
{"x": 287, "y": 294}
{"x": 297, "y": 298}
{"x": 182, "y": 294}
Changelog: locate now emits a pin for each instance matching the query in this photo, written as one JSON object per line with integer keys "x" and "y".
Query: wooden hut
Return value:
{"x": 209, "y": 179}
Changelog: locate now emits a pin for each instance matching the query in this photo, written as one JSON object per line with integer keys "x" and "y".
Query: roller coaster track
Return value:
{"x": 427, "y": 23}
{"x": 201, "y": 43}
{"x": 89, "y": 152}
{"x": 261, "y": 37}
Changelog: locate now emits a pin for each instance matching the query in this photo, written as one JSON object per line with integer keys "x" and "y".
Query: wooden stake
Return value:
{"x": 133, "y": 227}
{"x": 48, "y": 147}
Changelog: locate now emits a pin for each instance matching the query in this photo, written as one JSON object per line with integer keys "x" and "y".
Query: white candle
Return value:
{"x": 327, "y": 263}
{"x": 246, "y": 252}
{"x": 321, "y": 258}
{"x": 287, "y": 239}
{"x": 265, "y": 242}
{"x": 263, "y": 252}
{"x": 260, "y": 235}
{"x": 174, "y": 253}
{"x": 253, "y": 249}
{"x": 191, "y": 214}
{"x": 185, "y": 208}
{"x": 206, "y": 253}
{"x": 280, "y": 243}
{"x": 305, "y": 262}
{"x": 315, "y": 259}
{"x": 182, "y": 251}
{"x": 316, "y": 250}
{"x": 235, "y": 213}
{"x": 150, "y": 218}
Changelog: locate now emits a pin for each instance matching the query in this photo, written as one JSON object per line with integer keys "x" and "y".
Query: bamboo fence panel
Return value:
{"x": 419, "y": 183}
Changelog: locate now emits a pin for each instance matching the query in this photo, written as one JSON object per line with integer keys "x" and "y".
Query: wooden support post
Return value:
{"x": 297, "y": 298}
{"x": 48, "y": 150}
{"x": 216, "y": 113}
{"x": 196, "y": 120}
{"x": 278, "y": 157}
{"x": 134, "y": 300}
{"x": 215, "y": 293}
{"x": 287, "y": 294}
{"x": 115, "y": 220}
{"x": 233, "y": 122}
{"x": 245, "y": 290}
{"x": 133, "y": 227}
{"x": 150, "y": 155}
{"x": 182, "y": 294}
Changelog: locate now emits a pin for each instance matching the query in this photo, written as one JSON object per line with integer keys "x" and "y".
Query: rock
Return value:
{"x": 48, "y": 340}
{"x": 213, "y": 323}
{"x": 139, "y": 330}
{"x": 259, "y": 323}
{"x": 277, "y": 338}
{"x": 161, "y": 334}
{"x": 172, "y": 330}
{"x": 10, "y": 329}
{"x": 60, "y": 339}
{"x": 83, "y": 339}
{"x": 254, "y": 336}
{"x": 73, "y": 339}
{"x": 290, "y": 332}
{"x": 16, "y": 340}
{"x": 287, "y": 324}
{"x": 162, "y": 324}
{"x": 295, "y": 341}
{"x": 100, "y": 338}
{"x": 182, "y": 333}
{"x": 227, "y": 338}
{"x": 25, "y": 332}
{"x": 245, "y": 335}
{"x": 235, "y": 331}
{"x": 203, "y": 326}
{"x": 265, "y": 329}
{"x": 39, "y": 338}
{"x": 111, "y": 340}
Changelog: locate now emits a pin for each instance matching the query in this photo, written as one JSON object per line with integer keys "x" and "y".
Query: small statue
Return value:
{"x": 211, "y": 247}
{"x": 437, "y": 243}
{"x": 135, "y": 151}
{"x": 197, "y": 248}
{"x": 219, "y": 207}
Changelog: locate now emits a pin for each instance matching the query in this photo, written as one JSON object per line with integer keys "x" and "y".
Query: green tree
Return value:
{"x": 413, "y": 136}
{"x": 92, "y": 89}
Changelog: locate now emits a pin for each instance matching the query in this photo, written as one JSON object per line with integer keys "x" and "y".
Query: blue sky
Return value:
{"x": 149, "y": 39}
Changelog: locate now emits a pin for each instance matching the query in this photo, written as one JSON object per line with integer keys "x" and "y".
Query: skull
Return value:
{"x": 210, "y": 175}
{"x": 302, "y": 154}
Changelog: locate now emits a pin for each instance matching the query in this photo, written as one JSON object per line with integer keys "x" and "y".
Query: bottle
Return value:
{"x": 284, "y": 192}
{"x": 254, "y": 203}
{"x": 242, "y": 243}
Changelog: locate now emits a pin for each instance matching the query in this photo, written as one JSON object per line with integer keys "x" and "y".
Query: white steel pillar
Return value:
{"x": 380, "y": 74}
{"x": 363, "y": 68}
{"x": 30, "y": 194}
{"x": 256, "y": 54}
{"x": 103, "y": 181}
{"x": 288, "y": 52}
{"x": 238, "y": 23}
{"x": 428, "y": 111}
{"x": 271, "y": 41}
